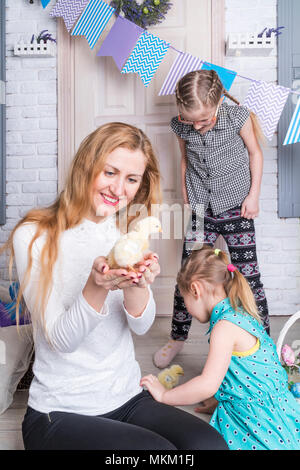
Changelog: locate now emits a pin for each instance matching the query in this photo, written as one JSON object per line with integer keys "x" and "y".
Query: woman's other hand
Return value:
{"x": 110, "y": 279}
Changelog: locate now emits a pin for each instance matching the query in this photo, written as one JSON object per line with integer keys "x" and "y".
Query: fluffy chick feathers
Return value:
{"x": 131, "y": 247}
{"x": 169, "y": 378}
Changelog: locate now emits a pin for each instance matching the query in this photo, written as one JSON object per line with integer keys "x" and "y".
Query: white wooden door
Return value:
{"x": 103, "y": 94}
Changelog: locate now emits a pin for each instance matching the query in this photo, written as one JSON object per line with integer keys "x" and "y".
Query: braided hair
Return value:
{"x": 204, "y": 87}
{"x": 201, "y": 87}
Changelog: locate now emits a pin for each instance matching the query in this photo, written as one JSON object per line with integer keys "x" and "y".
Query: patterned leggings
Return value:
{"x": 239, "y": 234}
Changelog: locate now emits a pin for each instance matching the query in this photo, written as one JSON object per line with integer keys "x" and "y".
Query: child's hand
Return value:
{"x": 250, "y": 207}
{"x": 154, "y": 386}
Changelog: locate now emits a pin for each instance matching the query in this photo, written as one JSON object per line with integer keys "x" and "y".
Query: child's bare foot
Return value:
{"x": 207, "y": 406}
{"x": 166, "y": 354}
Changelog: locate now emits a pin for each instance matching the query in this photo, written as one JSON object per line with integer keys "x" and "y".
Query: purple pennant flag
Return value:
{"x": 183, "y": 64}
{"x": 120, "y": 41}
{"x": 69, "y": 10}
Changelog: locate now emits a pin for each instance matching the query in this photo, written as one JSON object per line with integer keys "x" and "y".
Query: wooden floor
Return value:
{"x": 192, "y": 359}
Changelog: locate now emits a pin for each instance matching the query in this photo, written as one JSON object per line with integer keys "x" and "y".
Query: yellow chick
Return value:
{"x": 169, "y": 378}
{"x": 131, "y": 247}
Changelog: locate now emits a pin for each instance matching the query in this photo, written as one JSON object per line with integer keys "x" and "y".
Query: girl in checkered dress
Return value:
{"x": 221, "y": 165}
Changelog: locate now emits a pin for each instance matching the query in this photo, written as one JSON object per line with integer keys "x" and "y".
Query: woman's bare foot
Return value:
{"x": 207, "y": 406}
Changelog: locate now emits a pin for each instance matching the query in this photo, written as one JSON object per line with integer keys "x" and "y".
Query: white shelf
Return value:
{"x": 249, "y": 44}
{"x": 35, "y": 50}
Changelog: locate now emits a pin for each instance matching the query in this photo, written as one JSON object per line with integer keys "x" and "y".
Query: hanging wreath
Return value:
{"x": 144, "y": 13}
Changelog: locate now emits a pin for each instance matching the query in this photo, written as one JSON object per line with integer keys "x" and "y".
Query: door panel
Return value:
{"x": 103, "y": 94}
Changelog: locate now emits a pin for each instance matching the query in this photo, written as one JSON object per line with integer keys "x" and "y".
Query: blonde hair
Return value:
{"x": 74, "y": 202}
{"x": 204, "y": 87}
{"x": 205, "y": 265}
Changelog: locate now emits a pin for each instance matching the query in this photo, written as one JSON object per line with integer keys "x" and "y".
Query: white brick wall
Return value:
{"x": 278, "y": 240}
{"x": 31, "y": 124}
{"x": 32, "y": 140}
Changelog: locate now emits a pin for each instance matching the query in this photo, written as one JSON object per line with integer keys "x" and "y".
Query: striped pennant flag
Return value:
{"x": 93, "y": 21}
{"x": 293, "y": 133}
{"x": 184, "y": 63}
{"x": 69, "y": 10}
{"x": 267, "y": 102}
{"x": 146, "y": 57}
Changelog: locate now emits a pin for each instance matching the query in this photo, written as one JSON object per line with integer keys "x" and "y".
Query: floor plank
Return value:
{"x": 192, "y": 359}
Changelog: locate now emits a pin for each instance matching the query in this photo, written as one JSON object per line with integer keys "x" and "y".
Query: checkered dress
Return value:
{"x": 218, "y": 172}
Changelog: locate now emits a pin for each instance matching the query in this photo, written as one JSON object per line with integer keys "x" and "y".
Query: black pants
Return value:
{"x": 140, "y": 424}
{"x": 239, "y": 234}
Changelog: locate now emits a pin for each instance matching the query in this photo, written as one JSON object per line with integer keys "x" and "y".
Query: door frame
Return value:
{"x": 66, "y": 85}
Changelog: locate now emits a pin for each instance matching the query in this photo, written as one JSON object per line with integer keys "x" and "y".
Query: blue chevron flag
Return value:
{"x": 146, "y": 57}
{"x": 93, "y": 21}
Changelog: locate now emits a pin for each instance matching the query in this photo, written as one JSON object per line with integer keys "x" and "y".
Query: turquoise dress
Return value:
{"x": 256, "y": 411}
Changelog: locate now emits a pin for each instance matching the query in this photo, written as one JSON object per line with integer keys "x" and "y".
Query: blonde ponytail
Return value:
{"x": 257, "y": 129}
{"x": 240, "y": 294}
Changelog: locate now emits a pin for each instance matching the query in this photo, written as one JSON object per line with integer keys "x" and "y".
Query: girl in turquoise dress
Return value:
{"x": 256, "y": 410}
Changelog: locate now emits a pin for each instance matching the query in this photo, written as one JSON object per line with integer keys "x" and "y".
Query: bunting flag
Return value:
{"x": 69, "y": 10}
{"x": 147, "y": 51}
{"x": 120, "y": 41}
{"x": 93, "y": 21}
{"x": 293, "y": 133}
{"x": 146, "y": 57}
{"x": 267, "y": 102}
{"x": 45, "y": 3}
{"x": 227, "y": 76}
{"x": 183, "y": 64}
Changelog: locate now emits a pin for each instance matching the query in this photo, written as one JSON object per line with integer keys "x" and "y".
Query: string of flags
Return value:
{"x": 135, "y": 50}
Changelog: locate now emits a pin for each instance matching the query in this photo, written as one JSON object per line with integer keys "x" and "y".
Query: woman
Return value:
{"x": 86, "y": 393}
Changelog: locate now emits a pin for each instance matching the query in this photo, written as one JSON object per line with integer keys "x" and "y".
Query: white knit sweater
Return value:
{"x": 91, "y": 368}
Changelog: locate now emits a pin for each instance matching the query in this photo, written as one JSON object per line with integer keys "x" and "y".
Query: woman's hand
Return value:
{"x": 101, "y": 280}
{"x": 154, "y": 386}
{"x": 148, "y": 269}
{"x": 110, "y": 279}
{"x": 250, "y": 207}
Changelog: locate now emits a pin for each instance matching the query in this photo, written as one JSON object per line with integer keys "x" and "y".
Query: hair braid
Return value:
{"x": 230, "y": 97}
{"x": 178, "y": 96}
{"x": 216, "y": 89}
